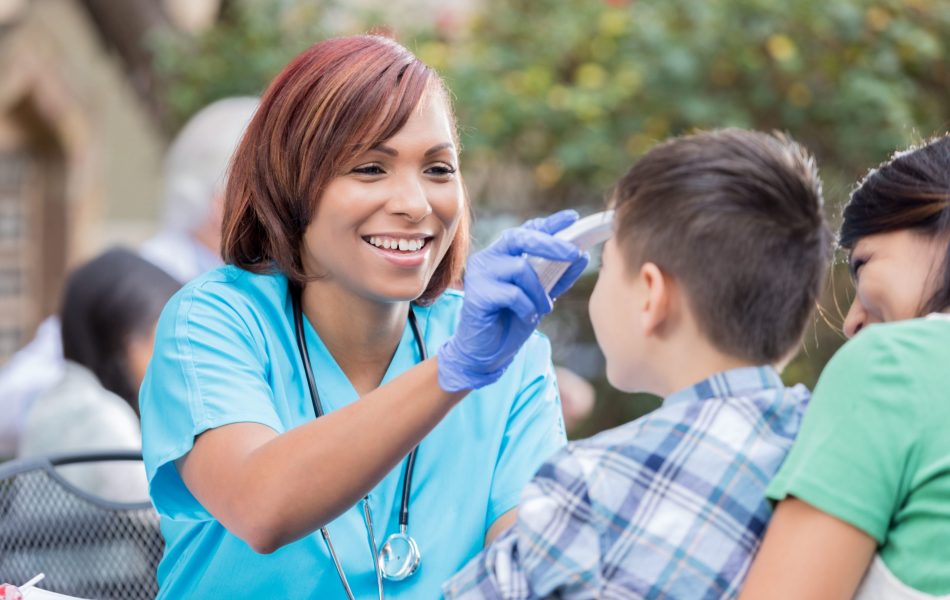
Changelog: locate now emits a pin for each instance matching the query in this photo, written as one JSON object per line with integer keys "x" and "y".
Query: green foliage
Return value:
{"x": 251, "y": 43}
{"x": 579, "y": 89}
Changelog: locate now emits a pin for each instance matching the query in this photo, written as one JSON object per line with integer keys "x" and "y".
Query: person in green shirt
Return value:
{"x": 864, "y": 496}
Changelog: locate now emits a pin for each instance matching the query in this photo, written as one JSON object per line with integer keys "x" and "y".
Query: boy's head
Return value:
{"x": 722, "y": 230}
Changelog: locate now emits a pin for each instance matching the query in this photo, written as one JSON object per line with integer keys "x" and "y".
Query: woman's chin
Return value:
{"x": 401, "y": 293}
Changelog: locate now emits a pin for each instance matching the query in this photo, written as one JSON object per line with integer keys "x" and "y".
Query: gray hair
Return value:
{"x": 197, "y": 161}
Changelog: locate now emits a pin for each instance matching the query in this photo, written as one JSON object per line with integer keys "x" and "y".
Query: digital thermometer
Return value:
{"x": 585, "y": 234}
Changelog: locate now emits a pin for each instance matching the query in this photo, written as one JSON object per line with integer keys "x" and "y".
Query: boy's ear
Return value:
{"x": 656, "y": 302}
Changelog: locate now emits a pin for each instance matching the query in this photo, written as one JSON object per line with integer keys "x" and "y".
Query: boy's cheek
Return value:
{"x": 607, "y": 332}
{"x": 599, "y": 319}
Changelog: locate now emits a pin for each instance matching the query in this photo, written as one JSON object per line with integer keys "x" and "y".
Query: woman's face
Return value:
{"x": 383, "y": 225}
{"x": 894, "y": 275}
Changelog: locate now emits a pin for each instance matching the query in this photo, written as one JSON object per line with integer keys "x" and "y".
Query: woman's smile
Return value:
{"x": 402, "y": 250}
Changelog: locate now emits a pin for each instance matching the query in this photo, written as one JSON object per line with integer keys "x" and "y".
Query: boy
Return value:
{"x": 719, "y": 253}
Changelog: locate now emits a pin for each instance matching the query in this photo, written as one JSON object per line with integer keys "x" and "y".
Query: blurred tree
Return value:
{"x": 577, "y": 90}
{"x": 556, "y": 99}
{"x": 251, "y": 43}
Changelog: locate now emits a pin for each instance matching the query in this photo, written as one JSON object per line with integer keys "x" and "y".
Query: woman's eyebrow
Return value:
{"x": 438, "y": 147}
{"x": 393, "y": 152}
{"x": 385, "y": 149}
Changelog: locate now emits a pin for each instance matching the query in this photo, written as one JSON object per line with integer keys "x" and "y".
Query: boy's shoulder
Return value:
{"x": 678, "y": 429}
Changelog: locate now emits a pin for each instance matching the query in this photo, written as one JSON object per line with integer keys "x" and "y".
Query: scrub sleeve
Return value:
{"x": 213, "y": 353}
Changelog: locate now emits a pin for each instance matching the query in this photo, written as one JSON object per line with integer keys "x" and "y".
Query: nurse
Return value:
{"x": 345, "y": 200}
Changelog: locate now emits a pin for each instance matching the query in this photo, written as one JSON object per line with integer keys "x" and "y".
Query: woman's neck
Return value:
{"x": 362, "y": 335}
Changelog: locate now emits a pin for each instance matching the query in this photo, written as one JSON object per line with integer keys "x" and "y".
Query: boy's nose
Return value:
{"x": 856, "y": 319}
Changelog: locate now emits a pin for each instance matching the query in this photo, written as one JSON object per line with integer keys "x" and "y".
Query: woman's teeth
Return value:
{"x": 400, "y": 244}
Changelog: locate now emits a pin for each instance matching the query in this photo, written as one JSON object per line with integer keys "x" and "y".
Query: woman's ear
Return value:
{"x": 655, "y": 307}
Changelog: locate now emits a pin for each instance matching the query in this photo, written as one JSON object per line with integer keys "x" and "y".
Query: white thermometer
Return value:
{"x": 585, "y": 234}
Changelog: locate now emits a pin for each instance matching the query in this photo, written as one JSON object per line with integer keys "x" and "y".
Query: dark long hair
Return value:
{"x": 909, "y": 191}
{"x": 107, "y": 302}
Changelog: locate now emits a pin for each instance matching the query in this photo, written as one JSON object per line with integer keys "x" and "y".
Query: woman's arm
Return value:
{"x": 808, "y": 554}
{"x": 271, "y": 489}
{"x": 502, "y": 523}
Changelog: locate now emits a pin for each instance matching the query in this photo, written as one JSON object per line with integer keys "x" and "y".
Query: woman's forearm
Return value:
{"x": 807, "y": 553}
{"x": 271, "y": 489}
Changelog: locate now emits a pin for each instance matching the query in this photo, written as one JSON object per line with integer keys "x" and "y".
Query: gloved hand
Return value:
{"x": 504, "y": 301}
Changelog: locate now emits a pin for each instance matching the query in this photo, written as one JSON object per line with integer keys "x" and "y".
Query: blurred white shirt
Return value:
{"x": 77, "y": 414}
{"x": 179, "y": 255}
{"x": 34, "y": 369}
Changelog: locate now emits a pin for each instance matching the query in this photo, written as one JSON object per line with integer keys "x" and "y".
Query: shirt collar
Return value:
{"x": 744, "y": 381}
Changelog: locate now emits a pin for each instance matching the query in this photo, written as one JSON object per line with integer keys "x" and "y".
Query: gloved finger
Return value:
{"x": 553, "y": 223}
{"x": 508, "y": 296}
{"x": 510, "y": 270}
{"x": 520, "y": 240}
{"x": 570, "y": 276}
{"x": 527, "y": 279}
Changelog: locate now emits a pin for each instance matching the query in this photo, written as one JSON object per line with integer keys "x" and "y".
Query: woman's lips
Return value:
{"x": 401, "y": 258}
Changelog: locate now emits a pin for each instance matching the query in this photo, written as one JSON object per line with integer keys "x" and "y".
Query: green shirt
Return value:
{"x": 874, "y": 447}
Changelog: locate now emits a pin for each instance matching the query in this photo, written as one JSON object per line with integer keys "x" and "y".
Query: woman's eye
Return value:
{"x": 368, "y": 170}
{"x": 856, "y": 264}
{"x": 441, "y": 170}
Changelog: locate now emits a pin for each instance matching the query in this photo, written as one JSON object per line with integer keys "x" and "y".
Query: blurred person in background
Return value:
{"x": 187, "y": 245}
{"x": 109, "y": 309}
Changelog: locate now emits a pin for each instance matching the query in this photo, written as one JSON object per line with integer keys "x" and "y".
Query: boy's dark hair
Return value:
{"x": 108, "y": 301}
{"x": 911, "y": 190}
{"x": 736, "y": 217}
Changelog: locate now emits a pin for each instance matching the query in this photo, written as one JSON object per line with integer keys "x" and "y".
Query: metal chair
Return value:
{"x": 86, "y": 545}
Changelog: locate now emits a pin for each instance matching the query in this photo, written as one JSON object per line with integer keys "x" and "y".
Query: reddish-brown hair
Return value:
{"x": 335, "y": 101}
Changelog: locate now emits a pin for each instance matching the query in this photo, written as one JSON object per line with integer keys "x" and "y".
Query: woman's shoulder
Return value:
{"x": 231, "y": 282}
{"x": 229, "y": 289}
{"x": 910, "y": 343}
{"x": 897, "y": 366}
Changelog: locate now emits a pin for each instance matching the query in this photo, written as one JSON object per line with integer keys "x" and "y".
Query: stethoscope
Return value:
{"x": 399, "y": 557}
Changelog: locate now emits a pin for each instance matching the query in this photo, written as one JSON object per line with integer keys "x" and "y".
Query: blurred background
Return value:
{"x": 555, "y": 99}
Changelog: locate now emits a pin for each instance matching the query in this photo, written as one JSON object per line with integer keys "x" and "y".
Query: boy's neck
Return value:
{"x": 677, "y": 366}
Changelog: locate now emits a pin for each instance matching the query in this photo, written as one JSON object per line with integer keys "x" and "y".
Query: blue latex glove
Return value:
{"x": 504, "y": 301}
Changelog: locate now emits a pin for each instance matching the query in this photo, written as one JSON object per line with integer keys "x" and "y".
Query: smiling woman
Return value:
{"x": 863, "y": 509}
{"x": 345, "y": 223}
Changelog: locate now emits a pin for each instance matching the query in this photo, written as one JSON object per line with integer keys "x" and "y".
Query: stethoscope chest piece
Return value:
{"x": 399, "y": 557}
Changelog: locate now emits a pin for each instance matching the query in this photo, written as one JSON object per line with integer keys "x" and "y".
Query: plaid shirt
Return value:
{"x": 671, "y": 505}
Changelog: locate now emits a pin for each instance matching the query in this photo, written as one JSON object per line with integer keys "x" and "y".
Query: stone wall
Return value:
{"x": 66, "y": 99}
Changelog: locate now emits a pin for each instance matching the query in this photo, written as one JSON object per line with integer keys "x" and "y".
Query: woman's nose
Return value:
{"x": 409, "y": 199}
{"x": 856, "y": 319}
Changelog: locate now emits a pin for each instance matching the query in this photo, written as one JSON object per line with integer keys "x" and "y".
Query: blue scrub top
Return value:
{"x": 225, "y": 352}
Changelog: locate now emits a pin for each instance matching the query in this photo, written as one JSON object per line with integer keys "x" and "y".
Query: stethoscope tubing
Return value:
{"x": 295, "y": 293}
